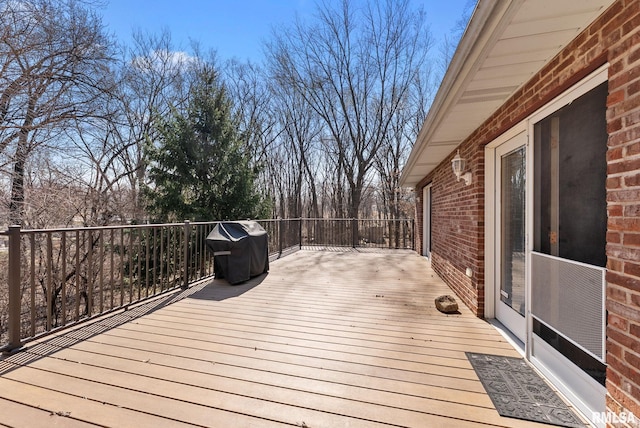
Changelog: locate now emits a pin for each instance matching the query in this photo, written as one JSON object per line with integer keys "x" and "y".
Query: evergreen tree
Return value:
{"x": 200, "y": 169}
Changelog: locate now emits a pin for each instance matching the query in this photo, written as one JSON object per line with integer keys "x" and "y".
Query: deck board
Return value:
{"x": 326, "y": 339}
{"x": 16, "y": 413}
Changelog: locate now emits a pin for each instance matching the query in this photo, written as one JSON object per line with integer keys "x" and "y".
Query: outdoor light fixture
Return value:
{"x": 458, "y": 164}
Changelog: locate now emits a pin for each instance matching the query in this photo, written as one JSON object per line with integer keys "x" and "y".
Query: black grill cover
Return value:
{"x": 248, "y": 244}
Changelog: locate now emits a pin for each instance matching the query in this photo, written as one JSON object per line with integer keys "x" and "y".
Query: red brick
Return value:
{"x": 632, "y": 239}
{"x": 634, "y": 361}
{"x": 625, "y": 311}
{"x": 615, "y": 154}
{"x": 619, "y": 80}
{"x": 616, "y": 66}
{"x": 616, "y": 293}
{"x": 627, "y": 223}
{"x": 624, "y": 195}
{"x": 619, "y": 366}
{"x": 614, "y": 183}
{"x": 624, "y": 281}
{"x": 631, "y": 210}
{"x": 631, "y": 403}
{"x": 614, "y": 349}
{"x": 625, "y": 403}
{"x": 614, "y": 238}
{"x": 613, "y": 376}
{"x": 632, "y": 24}
{"x": 615, "y": 97}
{"x": 616, "y": 10}
{"x": 632, "y": 101}
{"x": 634, "y": 56}
{"x": 632, "y": 181}
{"x": 614, "y": 125}
{"x": 632, "y": 269}
{"x": 633, "y": 88}
{"x": 615, "y": 210}
{"x": 632, "y": 149}
{"x": 617, "y": 322}
{"x": 615, "y": 265}
{"x": 587, "y": 45}
{"x": 626, "y": 165}
{"x": 623, "y": 253}
{"x": 634, "y": 329}
{"x": 632, "y": 118}
{"x": 624, "y": 45}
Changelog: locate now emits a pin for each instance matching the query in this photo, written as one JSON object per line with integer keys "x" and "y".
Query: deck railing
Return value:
{"x": 54, "y": 278}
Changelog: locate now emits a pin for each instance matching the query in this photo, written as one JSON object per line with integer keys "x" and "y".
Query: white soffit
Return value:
{"x": 504, "y": 45}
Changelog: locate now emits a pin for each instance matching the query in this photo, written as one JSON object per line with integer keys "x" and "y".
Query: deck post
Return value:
{"x": 354, "y": 232}
{"x": 187, "y": 235}
{"x": 300, "y": 232}
{"x": 14, "y": 288}
{"x": 413, "y": 234}
{"x": 280, "y": 233}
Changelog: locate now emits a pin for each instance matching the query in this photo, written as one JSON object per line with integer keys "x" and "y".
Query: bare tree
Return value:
{"x": 253, "y": 102}
{"x": 301, "y": 128}
{"x": 101, "y": 174}
{"x": 248, "y": 88}
{"x": 53, "y": 55}
{"x": 354, "y": 66}
{"x": 403, "y": 131}
{"x": 154, "y": 80}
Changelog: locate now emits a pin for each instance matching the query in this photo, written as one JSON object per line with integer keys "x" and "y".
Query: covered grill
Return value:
{"x": 241, "y": 250}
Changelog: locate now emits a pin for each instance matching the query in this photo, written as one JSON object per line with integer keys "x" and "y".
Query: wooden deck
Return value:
{"x": 326, "y": 339}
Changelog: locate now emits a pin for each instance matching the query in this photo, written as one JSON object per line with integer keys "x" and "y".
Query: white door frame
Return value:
{"x": 517, "y": 134}
{"x": 490, "y": 216}
{"x": 547, "y": 360}
{"x": 584, "y": 393}
{"x": 508, "y": 316}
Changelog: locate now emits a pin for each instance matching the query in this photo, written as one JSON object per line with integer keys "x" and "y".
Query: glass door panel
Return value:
{"x": 512, "y": 228}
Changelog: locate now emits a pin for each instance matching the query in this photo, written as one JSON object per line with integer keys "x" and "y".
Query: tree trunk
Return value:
{"x": 16, "y": 206}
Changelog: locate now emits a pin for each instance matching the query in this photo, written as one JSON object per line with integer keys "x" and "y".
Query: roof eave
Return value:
{"x": 505, "y": 44}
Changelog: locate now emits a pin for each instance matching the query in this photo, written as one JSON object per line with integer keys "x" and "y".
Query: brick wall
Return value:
{"x": 458, "y": 210}
{"x": 622, "y": 33}
{"x": 458, "y": 227}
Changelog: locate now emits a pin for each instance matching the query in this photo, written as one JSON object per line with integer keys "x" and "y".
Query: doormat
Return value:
{"x": 517, "y": 391}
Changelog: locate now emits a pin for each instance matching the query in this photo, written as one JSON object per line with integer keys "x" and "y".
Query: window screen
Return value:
{"x": 570, "y": 212}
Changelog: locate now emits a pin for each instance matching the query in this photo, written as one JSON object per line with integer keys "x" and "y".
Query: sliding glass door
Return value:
{"x": 511, "y": 230}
